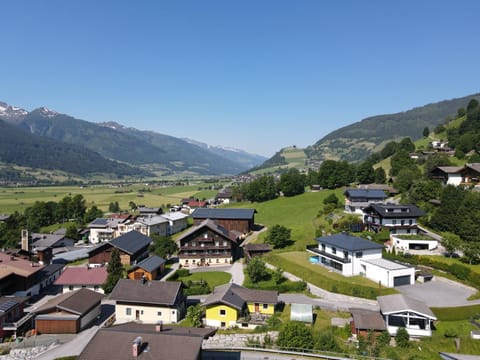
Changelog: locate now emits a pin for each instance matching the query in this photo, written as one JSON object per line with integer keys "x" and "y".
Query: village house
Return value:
{"x": 133, "y": 247}
{"x": 232, "y": 305}
{"x": 177, "y": 221}
{"x": 68, "y": 313}
{"x": 19, "y": 276}
{"x": 148, "y": 302}
{"x": 351, "y": 255}
{"x": 132, "y": 340}
{"x": 398, "y": 219}
{"x": 254, "y": 250}
{"x": 467, "y": 175}
{"x": 78, "y": 277}
{"x": 207, "y": 244}
{"x": 151, "y": 225}
{"x": 400, "y": 311}
{"x": 238, "y": 220}
{"x": 224, "y": 196}
{"x": 366, "y": 321}
{"x": 12, "y": 315}
{"x": 358, "y": 199}
{"x": 149, "y": 268}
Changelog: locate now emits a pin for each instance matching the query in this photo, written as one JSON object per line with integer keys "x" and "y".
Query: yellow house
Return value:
{"x": 233, "y": 305}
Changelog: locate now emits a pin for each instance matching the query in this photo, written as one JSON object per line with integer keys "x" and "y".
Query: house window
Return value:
{"x": 334, "y": 250}
{"x": 394, "y": 231}
{"x": 265, "y": 306}
{"x": 159, "y": 313}
{"x": 70, "y": 287}
{"x": 323, "y": 247}
{"x": 194, "y": 243}
{"x": 173, "y": 312}
{"x": 403, "y": 222}
{"x": 186, "y": 261}
{"x": 218, "y": 260}
{"x": 141, "y": 312}
{"x": 410, "y": 222}
{"x": 225, "y": 243}
{"x": 408, "y": 231}
{"x": 95, "y": 288}
{"x": 217, "y": 243}
{"x": 345, "y": 254}
{"x": 359, "y": 254}
{"x": 222, "y": 312}
{"x": 223, "y": 324}
{"x": 394, "y": 222}
{"x": 128, "y": 311}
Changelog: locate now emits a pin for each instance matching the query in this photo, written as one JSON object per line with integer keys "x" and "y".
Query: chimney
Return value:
{"x": 136, "y": 346}
{"x": 159, "y": 326}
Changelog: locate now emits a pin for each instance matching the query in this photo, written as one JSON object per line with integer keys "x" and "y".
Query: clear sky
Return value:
{"x": 254, "y": 74}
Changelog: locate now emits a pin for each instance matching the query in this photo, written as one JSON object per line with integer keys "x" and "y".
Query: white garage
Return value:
{"x": 388, "y": 273}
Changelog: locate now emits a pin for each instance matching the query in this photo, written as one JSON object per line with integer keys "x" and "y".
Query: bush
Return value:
{"x": 402, "y": 338}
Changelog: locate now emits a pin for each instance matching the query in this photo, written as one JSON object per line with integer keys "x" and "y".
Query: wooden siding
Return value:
{"x": 59, "y": 326}
{"x": 138, "y": 273}
{"x": 242, "y": 226}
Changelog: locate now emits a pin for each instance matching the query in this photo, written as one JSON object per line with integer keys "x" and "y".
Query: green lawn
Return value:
{"x": 18, "y": 199}
{"x": 297, "y": 263}
{"x": 213, "y": 278}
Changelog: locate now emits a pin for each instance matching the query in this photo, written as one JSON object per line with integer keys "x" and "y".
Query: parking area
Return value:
{"x": 440, "y": 292}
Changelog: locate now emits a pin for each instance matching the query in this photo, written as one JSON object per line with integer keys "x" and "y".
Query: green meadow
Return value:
{"x": 18, "y": 199}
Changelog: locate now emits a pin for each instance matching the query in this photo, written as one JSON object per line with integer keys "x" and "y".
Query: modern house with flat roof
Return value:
{"x": 352, "y": 255}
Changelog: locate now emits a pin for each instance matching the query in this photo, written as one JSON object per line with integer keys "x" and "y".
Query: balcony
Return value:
{"x": 314, "y": 249}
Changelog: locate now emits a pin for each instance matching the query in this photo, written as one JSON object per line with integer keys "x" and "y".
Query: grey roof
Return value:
{"x": 236, "y": 296}
{"x": 232, "y": 214}
{"x": 116, "y": 343}
{"x": 48, "y": 240}
{"x": 131, "y": 242}
{"x": 473, "y": 166}
{"x": 98, "y": 222}
{"x": 258, "y": 247}
{"x": 152, "y": 220}
{"x": 385, "y": 264}
{"x": 4, "y": 217}
{"x": 368, "y": 319}
{"x": 391, "y": 304}
{"x": 395, "y": 211}
{"x": 348, "y": 242}
{"x": 78, "y": 302}
{"x": 365, "y": 193}
{"x": 151, "y": 292}
{"x": 210, "y": 224}
{"x": 151, "y": 263}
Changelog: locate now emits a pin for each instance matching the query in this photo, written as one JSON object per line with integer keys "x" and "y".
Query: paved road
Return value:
{"x": 440, "y": 292}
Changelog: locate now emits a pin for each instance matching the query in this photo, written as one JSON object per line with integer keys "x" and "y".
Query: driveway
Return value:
{"x": 440, "y": 292}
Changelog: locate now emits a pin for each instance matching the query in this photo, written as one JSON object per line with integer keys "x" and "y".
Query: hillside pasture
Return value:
{"x": 18, "y": 199}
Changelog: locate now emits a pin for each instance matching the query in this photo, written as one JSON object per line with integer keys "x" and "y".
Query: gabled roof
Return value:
{"x": 150, "y": 264}
{"x": 365, "y": 194}
{"x": 450, "y": 169}
{"x": 391, "y": 304}
{"x": 395, "y": 211}
{"x": 82, "y": 275}
{"x": 367, "y": 319}
{"x": 236, "y": 296}
{"x": 175, "y": 215}
{"x": 47, "y": 240}
{"x": 474, "y": 166}
{"x": 131, "y": 242}
{"x": 230, "y": 214}
{"x": 348, "y": 242}
{"x": 10, "y": 264}
{"x": 258, "y": 247}
{"x": 77, "y": 302}
{"x": 151, "y": 292}
{"x": 116, "y": 343}
{"x": 213, "y": 226}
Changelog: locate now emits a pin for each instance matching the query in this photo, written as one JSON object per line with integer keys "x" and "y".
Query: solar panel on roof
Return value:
{"x": 7, "y": 305}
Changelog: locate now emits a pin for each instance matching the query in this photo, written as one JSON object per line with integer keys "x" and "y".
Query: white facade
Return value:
{"x": 454, "y": 179}
{"x": 177, "y": 221}
{"x": 98, "y": 235}
{"x": 412, "y": 244}
{"x": 388, "y": 273}
{"x": 146, "y": 314}
{"x": 70, "y": 288}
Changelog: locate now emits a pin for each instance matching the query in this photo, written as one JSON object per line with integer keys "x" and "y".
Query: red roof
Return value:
{"x": 197, "y": 204}
{"x": 81, "y": 275}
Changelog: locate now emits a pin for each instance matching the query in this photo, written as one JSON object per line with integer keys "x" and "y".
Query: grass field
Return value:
{"x": 18, "y": 199}
{"x": 213, "y": 278}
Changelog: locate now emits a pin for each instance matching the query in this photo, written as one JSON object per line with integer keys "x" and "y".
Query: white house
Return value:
{"x": 353, "y": 255}
{"x": 449, "y": 175}
{"x": 400, "y": 311}
{"x": 399, "y": 219}
{"x": 413, "y": 243}
{"x": 358, "y": 199}
{"x": 151, "y": 224}
{"x": 177, "y": 221}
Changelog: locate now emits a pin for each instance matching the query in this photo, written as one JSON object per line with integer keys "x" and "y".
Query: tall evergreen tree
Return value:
{"x": 114, "y": 271}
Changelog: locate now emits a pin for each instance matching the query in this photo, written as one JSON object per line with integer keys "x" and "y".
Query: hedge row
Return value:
{"x": 460, "y": 271}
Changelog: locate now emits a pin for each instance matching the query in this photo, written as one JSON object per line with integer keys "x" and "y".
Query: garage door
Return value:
{"x": 401, "y": 280}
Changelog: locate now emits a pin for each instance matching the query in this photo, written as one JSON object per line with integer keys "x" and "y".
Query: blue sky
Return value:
{"x": 258, "y": 75}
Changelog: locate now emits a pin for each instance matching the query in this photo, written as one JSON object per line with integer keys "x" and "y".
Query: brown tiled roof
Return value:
{"x": 78, "y": 302}
{"x": 82, "y": 275}
{"x": 152, "y": 292}
{"x": 116, "y": 343}
{"x": 10, "y": 264}
{"x": 368, "y": 319}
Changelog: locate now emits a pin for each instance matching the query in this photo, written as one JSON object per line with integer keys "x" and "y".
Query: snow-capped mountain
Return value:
{"x": 11, "y": 112}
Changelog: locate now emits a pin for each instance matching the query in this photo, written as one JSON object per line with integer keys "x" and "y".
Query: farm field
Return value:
{"x": 18, "y": 199}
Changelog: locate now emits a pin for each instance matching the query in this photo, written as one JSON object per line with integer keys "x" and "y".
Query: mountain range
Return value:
{"x": 111, "y": 144}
